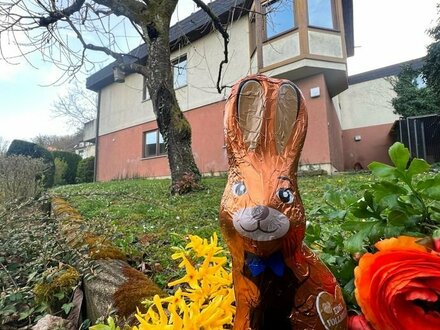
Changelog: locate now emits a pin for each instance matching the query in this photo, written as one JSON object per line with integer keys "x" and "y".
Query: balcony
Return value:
{"x": 298, "y": 39}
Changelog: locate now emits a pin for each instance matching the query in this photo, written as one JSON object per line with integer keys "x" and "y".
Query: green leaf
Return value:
{"x": 346, "y": 270}
{"x": 111, "y": 323}
{"x": 389, "y": 201}
{"x": 355, "y": 243}
{"x": 357, "y": 225}
{"x": 59, "y": 295}
{"x": 368, "y": 197}
{"x": 382, "y": 170}
{"x": 418, "y": 166}
{"x": 384, "y": 188}
{"x": 392, "y": 231}
{"x": 67, "y": 308}
{"x": 398, "y": 218}
{"x": 433, "y": 192}
{"x": 371, "y": 231}
{"x": 337, "y": 215}
{"x": 100, "y": 327}
{"x": 25, "y": 314}
{"x": 399, "y": 155}
{"x": 360, "y": 211}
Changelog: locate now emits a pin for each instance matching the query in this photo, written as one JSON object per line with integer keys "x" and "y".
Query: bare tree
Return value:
{"x": 45, "y": 27}
{"x": 76, "y": 107}
{"x": 58, "y": 142}
{"x": 3, "y": 146}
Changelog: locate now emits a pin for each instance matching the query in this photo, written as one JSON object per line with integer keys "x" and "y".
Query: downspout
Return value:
{"x": 98, "y": 112}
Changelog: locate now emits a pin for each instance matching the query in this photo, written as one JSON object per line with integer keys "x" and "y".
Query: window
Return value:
{"x": 179, "y": 71}
{"x": 153, "y": 144}
{"x": 321, "y": 13}
{"x": 279, "y": 17}
{"x": 145, "y": 94}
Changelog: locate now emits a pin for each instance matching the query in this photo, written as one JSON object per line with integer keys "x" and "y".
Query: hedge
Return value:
{"x": 86, "y": 169}
{"x": 72, "y": 161}
{"x": 33, "y": 150}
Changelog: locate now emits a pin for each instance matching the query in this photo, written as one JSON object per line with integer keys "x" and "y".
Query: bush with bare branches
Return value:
{"x": 20, "y": 177}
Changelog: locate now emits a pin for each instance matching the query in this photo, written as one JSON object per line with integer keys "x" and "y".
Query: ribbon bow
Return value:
{"x": 258, "y": 265}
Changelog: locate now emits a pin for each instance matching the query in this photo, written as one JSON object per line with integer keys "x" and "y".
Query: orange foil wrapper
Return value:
{"x": 279, "y": 282}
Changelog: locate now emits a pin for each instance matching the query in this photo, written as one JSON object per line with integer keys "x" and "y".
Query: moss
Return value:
{"x": 56, "y": 281}
{"x": 98, "y": 246}
{"x": 136, "y": 289}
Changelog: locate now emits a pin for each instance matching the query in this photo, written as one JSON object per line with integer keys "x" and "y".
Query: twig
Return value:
{"x": 219, "y": 27}
{"x": 7, "y": 272}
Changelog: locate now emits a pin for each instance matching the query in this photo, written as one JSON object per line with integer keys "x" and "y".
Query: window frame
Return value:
{"x": 292, "y": 28}
{"x": 144, "y": 145}
{"x": 333, "y": 15}
{"x": 252, "y": 33}
{"x": 175, "y": 64}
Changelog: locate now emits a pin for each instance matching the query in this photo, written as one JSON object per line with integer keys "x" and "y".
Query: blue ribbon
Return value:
{"x": 258, "y": 265}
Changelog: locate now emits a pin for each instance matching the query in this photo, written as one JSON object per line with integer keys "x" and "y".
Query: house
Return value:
{"x": 367, "y": 116}
{"x": 305, "y": 41}
{"x": 86, "y": 148}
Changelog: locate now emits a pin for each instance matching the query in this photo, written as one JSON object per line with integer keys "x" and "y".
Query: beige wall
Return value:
{"x": 281, "y": 49}
{"x": 325, "y": 44}
{"x": 367, "y": 104}
{"x": 122, "y": 106}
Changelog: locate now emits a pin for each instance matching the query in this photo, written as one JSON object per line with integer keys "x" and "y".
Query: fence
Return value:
{"x": 421, "y": 135}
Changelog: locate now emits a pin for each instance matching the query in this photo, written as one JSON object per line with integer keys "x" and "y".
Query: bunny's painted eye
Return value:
{"x": 239, "y": 188}
{"x": 285, "y": 195}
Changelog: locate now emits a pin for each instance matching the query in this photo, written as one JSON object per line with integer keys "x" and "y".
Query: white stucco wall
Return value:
{"x": 367, "y": 104}
{"x": 122, "y": 106}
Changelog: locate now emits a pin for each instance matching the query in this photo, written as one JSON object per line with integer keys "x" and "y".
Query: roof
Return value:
{"x": 200, "y": 24}
{"x": 189, "y": 29}
{"x": 388, "y": 71}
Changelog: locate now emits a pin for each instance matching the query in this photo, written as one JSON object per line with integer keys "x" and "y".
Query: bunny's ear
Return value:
{"x": 250, "y": 111}
{"x": 286, "y": 114}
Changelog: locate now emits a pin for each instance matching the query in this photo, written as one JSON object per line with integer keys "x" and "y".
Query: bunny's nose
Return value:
{"x": 260, "y": 213}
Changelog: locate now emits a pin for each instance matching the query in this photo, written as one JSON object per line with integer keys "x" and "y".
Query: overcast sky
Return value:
{"x": 386, "y": 32}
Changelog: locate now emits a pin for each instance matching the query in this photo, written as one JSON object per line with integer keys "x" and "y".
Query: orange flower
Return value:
{"x": 358, "y": 322}
{"x": 398, "y": 287}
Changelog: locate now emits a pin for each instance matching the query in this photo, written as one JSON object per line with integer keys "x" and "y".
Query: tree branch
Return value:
{"x": 55, "y": 16}
{"x": 117, "y": 56}
{"x": 219, "y": 27}
{"x": 132, "y": 9}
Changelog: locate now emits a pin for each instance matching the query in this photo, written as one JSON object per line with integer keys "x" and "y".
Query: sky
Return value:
{"x": 385, "y": 32}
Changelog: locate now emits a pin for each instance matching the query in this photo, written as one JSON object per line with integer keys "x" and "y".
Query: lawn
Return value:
{"x": 142, "y": 218}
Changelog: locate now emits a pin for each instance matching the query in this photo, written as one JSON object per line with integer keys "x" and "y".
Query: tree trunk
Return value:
{"x": 175, "y": 129}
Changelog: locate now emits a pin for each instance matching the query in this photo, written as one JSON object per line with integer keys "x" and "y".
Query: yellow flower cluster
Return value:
{"x": 205, "y": 297}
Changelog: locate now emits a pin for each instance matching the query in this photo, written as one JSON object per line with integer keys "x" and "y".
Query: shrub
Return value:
{"x": 72, "y": 161}
{"x": 203, "y": 298}
{"x": 36, "y": 273}
{"x": 86, "y": 170}
{"x": 61, "y": 169}
{"x": 20, "y": 177}
{"x": 404, "y": 199}
{"x": 19, "y": 147}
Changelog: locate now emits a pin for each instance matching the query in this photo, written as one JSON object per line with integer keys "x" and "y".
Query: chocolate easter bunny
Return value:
{"x": 279, "y": 283}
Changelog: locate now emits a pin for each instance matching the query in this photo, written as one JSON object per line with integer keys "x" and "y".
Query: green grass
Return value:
{"x": 143, "y": 219}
